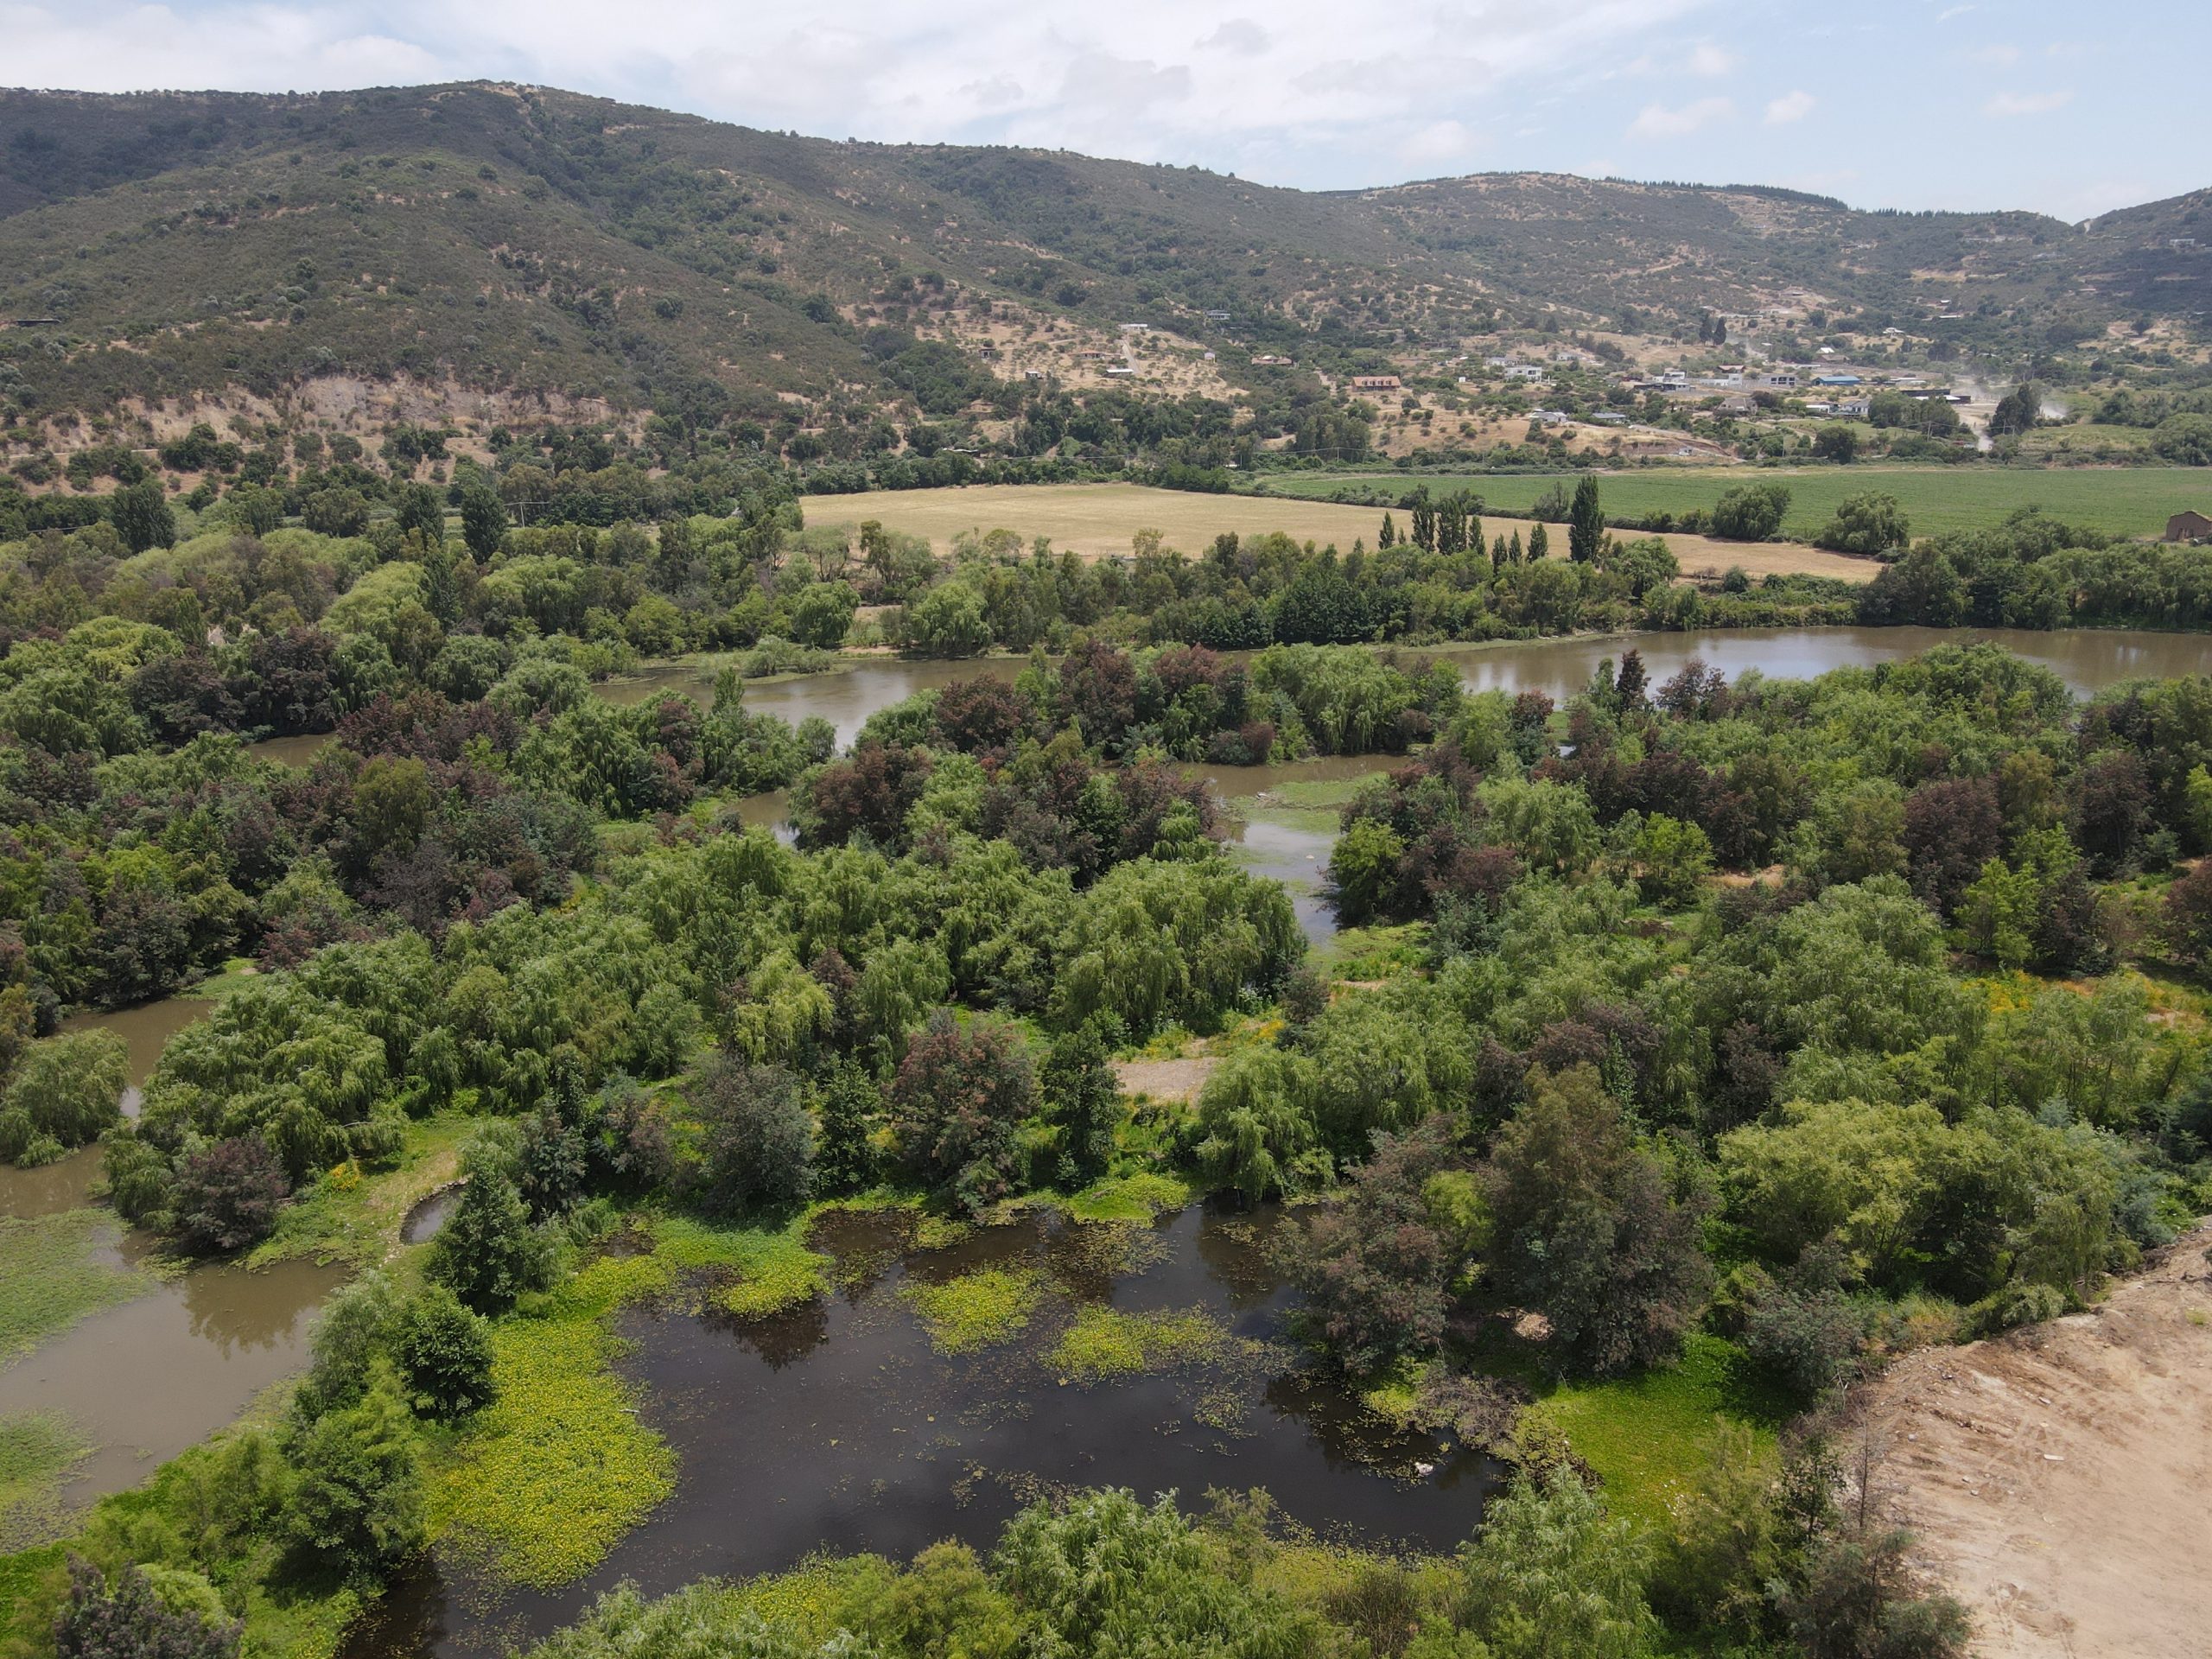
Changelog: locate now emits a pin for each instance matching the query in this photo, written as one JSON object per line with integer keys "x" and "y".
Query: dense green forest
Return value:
{"x": 1799, "y": 1023}
{"x": 1675, "y": 1056}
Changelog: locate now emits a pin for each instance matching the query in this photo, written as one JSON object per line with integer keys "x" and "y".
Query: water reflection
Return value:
{"x": 145, "y": 1031}
{"x": 842, "y": 1429}
{"x": 149, "y": 1378}
{"x": 65, "y": 1184}
{"x": 2087, "y": 659}
{"x": 421, "y": 1224}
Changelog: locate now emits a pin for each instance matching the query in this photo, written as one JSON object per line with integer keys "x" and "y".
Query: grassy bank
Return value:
{"x": 56, "y": 1269}
{"x": 2119, "y": 500}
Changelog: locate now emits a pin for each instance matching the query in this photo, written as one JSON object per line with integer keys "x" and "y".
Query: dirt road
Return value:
{"x": 2060, "y": 1478}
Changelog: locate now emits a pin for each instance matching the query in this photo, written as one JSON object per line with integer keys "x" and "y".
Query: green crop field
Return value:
{"x": 2121, "y": 500}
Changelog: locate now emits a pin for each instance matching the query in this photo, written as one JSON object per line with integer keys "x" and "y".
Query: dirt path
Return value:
{"x": 1166, "y": 1079}
{"x": 2060, "y": 1478}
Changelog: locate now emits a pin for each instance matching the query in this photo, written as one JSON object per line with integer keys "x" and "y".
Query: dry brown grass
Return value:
{"x": 1099, "y": 520}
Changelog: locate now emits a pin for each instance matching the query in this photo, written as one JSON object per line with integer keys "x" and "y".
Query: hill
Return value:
{"x": 511, "y": 253}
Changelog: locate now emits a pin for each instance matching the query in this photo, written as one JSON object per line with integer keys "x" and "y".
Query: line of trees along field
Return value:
{"x": 1802, "y": 1023}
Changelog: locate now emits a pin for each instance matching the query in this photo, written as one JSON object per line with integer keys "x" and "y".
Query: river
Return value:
{"x": 2087, "y": 659}
{"x": 745, "y": 1406}
{"x": 144, "y": 1380}
{"x": 838, "y": 1426}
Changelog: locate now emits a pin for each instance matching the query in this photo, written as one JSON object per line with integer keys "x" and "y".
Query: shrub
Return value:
{"x": 488, "y": 1254}
{"x": 358, "y": 1501}
{"x": 444, "y": 1352}
{"x": 757, "y": 1136}
{"x": 66, "y": 1089}
{"x": 958, "y": 1096}
{"x": 225, "y": 1195}
{"x": 1860, "y": 1600}
{"x": 1804, "y": 1327}
{"x": 133, "y": 1619}
{"x": 2016, "y": 1304}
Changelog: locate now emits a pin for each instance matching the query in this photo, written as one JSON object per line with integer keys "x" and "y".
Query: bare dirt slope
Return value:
{"x": 2060, "y": 1478}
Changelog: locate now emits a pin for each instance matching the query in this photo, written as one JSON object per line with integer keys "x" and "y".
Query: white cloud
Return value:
{"x": 1239, "y": 35}
{"x": 1657, "y": 120}
{"x": 1790, "y": 106}
{"x": 1439, "y": 141}
{"x": 1293, "y": 89}
{"x": 1709, "y": 60}
{"x": 2002, "y": 57}
{"x": 2013, "y": 104}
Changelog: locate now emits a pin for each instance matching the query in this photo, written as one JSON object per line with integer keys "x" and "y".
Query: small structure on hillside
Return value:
{"x": 1376, "y": 383}
{"x": 2189, "y": 526}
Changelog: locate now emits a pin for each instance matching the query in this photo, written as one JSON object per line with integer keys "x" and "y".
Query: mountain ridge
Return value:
{"x": 500, "y": 235}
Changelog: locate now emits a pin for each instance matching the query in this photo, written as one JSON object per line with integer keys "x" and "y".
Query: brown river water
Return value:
{"x": 144, "y": 1380}
{"x": 2087, "y": 659}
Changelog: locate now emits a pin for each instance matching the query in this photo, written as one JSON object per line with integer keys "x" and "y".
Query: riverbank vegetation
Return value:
{"x": 1710, "y": 1043}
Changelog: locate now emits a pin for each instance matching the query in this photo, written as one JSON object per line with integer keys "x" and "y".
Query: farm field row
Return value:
{"x": 2119, "y": 500}
{"x": 1099, "y": 520}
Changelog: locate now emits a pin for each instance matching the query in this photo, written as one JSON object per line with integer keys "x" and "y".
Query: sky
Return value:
{"x": 1911, "y": 103}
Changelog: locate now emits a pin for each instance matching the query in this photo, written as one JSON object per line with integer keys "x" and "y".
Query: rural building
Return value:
{"x": 1610, "y": 417}
{"x": 1216, "y": 316}
{"x": 1136, "y": 328}
{"x": 1269, "y": 360}
{"x": 1525, "y": 372}
{"x": 1835, "y": 380}
{"x": 1120, "y": 368}
{"x": 1855, "y": 409}
{"x": 1376, "y": 383}
{"x": 2192, "y": 526}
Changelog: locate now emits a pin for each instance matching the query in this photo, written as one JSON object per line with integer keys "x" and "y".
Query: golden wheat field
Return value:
{"x": 1098, "y": 520}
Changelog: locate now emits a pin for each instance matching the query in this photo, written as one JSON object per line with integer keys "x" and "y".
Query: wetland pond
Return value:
{"x": 840, "y": 1427}
{"x": 144, "y": 1379}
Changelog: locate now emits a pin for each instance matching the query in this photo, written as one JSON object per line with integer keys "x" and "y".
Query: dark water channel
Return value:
{"x": 839, "y": 1428}
{"x": 421, "y": 1223}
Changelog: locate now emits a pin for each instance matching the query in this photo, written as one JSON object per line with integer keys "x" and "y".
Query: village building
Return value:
{"x": 2189, "y": 526}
